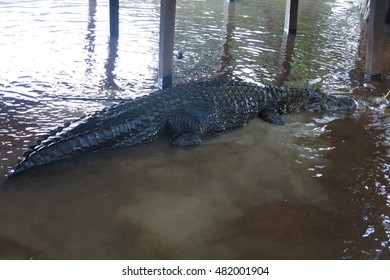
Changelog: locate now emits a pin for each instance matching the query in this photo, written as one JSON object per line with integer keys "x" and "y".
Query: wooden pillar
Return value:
{"x": 167, "y": 34}
{"x": 291, "y": 16}
{"x": 114, "y": 18}
{"x": 375, "y": 33}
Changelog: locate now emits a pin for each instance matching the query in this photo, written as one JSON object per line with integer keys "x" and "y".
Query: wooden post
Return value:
{"x": 114, "y": 18}
{"x": 375, "y": 32}
{"x": 291, "y": 16}
{"x": 167, "y": 34}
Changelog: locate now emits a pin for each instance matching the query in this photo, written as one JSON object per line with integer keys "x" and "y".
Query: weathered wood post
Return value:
{"x": 375, "y": 33}
{"x": 167, "y": 34}
{"x": 291, "y": 16}
{"x": 114, "y": 18}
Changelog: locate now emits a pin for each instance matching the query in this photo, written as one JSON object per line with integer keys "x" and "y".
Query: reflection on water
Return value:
{"x": 226, "y": 56}
{"x": 90, "y": 37}
{"x": 287, "y": 48}
{"x": 366, "y": 182}
{"x": 317, "y": 188}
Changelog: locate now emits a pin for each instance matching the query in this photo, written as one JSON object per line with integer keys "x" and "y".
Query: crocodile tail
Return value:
{"x": 56, "y": 147}
{"x": 64, "y": 144}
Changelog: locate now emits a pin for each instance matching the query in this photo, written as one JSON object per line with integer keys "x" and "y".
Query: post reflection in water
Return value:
{"x": 286, "y": 58}
{"x": 316, "y": 188}
{"x": 90, "y": 37}
{"x": 108, "y": 82}
{"x": 227, "y": 58}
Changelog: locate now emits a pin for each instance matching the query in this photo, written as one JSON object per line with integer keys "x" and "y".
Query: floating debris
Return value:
{"x": 178, "y": 54}
{"x": 369, "y": 86}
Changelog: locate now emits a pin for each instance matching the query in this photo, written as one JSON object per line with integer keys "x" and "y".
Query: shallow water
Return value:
{"x": 317, "y": 188}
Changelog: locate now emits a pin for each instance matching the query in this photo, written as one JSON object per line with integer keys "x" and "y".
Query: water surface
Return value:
{"x": 317, "y": 188}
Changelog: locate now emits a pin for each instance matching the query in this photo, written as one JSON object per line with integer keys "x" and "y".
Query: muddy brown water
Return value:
{"x": 317, "y": 188}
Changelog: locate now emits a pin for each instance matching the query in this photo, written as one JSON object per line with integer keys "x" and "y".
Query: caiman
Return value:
{"x": 187, "y": 112}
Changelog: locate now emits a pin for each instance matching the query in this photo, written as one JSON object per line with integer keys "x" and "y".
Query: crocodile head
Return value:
{"x": 301, "y": 99}
{"x": 319, "y": 101}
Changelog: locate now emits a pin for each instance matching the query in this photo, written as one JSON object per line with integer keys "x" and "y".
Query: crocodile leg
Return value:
{"x": 186, "y": 130}
{"x": 272, "y": 115}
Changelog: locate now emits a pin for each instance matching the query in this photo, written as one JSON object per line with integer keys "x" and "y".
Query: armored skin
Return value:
{"x": 187, "y": 112}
